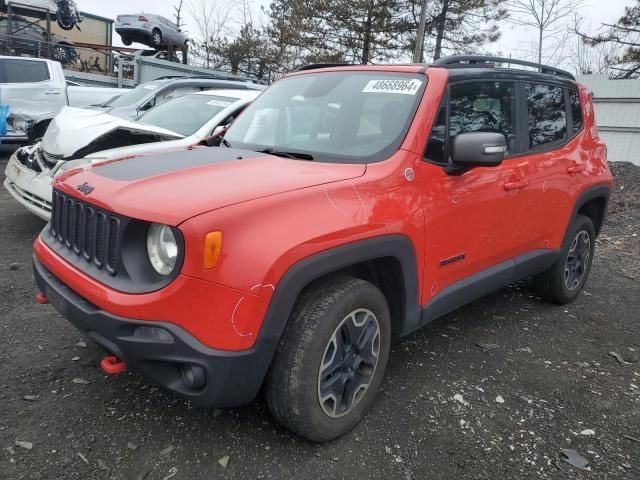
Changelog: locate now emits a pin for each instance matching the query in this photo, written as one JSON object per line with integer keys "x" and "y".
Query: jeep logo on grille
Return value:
{"x": 85, "y": 188}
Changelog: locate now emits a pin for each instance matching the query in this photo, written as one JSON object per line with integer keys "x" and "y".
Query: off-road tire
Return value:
{"x": 551, "y": 283}
{"x": 292, "y": 386}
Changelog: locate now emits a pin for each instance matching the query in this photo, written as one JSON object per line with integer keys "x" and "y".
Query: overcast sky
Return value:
{"x": 515, "y": 41}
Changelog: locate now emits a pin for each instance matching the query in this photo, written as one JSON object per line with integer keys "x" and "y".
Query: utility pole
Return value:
{"x": 419, "y": 51}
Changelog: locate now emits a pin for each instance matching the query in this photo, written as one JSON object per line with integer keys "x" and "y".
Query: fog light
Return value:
{"x": 153, "y": 333}
{"x": 193, "y": 376}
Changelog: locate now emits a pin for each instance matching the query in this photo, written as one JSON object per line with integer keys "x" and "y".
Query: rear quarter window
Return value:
{"x": 576, "y": 110}
{"x": 23, "y": 71}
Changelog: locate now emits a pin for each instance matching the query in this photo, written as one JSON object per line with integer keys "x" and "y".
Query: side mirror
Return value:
{"x": 147, "y": 106}
{"x": 478, "y": 149}
{"x": 218, "y": 130}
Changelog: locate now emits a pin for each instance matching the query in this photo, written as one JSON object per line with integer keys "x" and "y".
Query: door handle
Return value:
{"x": 52, "y": 92}
{"x": 516, "y": 185}
{"x": 576, "y": 168}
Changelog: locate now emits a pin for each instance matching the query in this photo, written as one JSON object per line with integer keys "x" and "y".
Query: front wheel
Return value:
{"x": 331, "y": 359}
{"x": 564, "y": 280}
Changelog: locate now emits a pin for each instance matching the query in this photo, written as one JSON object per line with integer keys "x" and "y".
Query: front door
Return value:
{"x": 472, "y": 221}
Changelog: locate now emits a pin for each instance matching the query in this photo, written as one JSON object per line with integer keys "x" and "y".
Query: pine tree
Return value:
{"x": 625, "y": 33}
{"x": 457, "y": 26}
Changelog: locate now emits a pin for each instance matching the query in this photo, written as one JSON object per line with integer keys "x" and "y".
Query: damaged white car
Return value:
{"x": 77, "y": 137}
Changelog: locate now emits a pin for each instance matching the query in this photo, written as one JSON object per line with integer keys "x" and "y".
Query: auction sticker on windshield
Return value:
{"x": 403, "y": 87}
{"x": 218, "y": 103}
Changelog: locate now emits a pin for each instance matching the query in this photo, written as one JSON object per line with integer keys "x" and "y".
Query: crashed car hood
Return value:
{"x": 75, "y": 129}
{"x": 174, "y": 186}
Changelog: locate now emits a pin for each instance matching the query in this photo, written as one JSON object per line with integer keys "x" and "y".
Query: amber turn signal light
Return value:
{"x": 212, "y": 249}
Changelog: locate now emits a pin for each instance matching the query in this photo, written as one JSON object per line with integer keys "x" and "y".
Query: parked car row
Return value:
{"x": 172, "y": 112}
{"x": 344, "y": 207}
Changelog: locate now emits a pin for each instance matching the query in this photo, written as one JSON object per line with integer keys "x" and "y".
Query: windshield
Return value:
{"x": 171, "y": 114}
{"x": 347, "y": 117}
{"x": 132, "y": 96}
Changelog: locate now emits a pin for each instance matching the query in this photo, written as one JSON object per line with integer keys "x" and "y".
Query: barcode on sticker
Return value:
{"x": 218, "y": 103}
{"x": 403, "y": 87}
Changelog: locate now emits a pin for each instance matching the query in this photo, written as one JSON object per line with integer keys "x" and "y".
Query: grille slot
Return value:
{"x": 89, "y": 232}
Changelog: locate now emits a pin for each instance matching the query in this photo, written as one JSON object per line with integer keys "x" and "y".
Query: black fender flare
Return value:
{"x": 305, "y": 271}
{"x": 597, "y": 191}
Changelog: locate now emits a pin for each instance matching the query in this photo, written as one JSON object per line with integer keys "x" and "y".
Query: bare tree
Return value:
{"x": 586, "y": 58}
{"x": 548, "y": 17}
{"x": 177, "y": 14}
{"x": 211, "y": 19}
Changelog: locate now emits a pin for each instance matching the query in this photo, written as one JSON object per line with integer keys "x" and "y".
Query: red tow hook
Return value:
{"x": 112, "y": 365}
{"x": 41, "y": 298}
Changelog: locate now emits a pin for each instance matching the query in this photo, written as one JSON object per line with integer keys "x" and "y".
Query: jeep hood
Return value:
{"x": 174, "y": 186}
{"x": 78, "y": 132}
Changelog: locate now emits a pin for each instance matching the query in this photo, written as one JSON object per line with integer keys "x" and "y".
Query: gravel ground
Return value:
{"x": 496, "y": 389}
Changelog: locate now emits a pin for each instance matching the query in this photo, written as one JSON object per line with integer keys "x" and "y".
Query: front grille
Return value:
{"x": 87, "y": 231}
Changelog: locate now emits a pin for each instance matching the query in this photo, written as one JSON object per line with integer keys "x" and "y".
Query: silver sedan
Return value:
{"x": 148, "y": 29}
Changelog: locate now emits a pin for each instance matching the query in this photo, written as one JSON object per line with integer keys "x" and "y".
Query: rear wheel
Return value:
{"x": 156, "y": 38}
{"x": 564, "y": 280}
{"x": 331, "y": 359}
{"x": 126, "y": 41}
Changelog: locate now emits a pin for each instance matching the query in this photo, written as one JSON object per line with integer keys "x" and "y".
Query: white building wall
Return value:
{"x": 617, "y": 105}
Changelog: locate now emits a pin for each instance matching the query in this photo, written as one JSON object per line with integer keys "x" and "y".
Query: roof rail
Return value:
{"x": 211, "y": 76}
{"x": 454, "y": 61}
{"x": 314, "y": 66}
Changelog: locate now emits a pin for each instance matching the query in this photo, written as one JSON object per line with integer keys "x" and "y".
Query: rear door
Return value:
{"x": 473, "y": 221}
{"x": 30, "y": 89}
{"x": 554, "y": 160}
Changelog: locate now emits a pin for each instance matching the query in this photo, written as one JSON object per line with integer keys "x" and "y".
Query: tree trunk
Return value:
{"x": 442, "y": 23}
{"x": 366, "y": 44}
{"x": 540, "y": 45}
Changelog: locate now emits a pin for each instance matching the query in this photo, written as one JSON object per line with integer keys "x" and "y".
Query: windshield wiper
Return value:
{"x": 280, "y": 153}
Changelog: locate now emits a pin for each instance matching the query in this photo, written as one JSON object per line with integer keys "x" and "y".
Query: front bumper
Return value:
{"x": 232, "y": 378}
{"x": 31, "y": 189}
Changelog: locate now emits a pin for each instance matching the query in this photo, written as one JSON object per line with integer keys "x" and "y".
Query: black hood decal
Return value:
{"x": 158, "y": 164}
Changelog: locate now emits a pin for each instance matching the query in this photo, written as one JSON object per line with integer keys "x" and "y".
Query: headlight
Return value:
{"x": 162, "y": 248}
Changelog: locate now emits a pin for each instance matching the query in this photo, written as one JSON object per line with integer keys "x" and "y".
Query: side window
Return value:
{"x": 23, "y": 71}
{"x": 576, "y": 109}
{"x": 547, "y": 115}
{"x": 474, "y": 107}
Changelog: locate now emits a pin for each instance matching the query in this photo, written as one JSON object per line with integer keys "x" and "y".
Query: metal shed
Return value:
{"x": 617, "y": 104}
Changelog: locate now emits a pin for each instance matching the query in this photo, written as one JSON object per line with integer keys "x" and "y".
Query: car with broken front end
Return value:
{"x": 78, "y": 137}
{"x": 345, "y": 207}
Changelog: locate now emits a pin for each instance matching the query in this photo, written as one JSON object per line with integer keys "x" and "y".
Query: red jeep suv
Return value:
{"x": 346, "y": 206}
